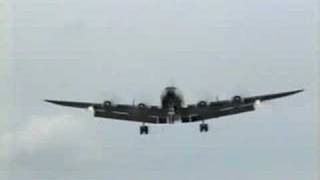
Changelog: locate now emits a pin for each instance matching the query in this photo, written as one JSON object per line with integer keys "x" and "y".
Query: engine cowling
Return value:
{"x": 107, "y": 104}
{"x": 142, "y": 105}
{"x": 237, "y": 99}
{"x": 202, "y": 104}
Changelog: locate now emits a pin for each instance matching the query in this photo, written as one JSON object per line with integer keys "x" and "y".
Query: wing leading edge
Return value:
{"x": 271, "y": 96}
{"x": 217, "y": 109}
{"x": 72, "y": 104}
{"x": 119, "y": 112}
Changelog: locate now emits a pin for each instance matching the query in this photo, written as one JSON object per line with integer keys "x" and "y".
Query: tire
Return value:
{"x": 141, "y": 130}
{"x": 201, "y": 127}
{"x": 204, "y": 127}
{"x": 144, "y": 130}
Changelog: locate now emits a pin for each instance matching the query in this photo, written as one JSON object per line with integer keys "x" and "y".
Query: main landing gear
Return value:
{"x": 204, "y": 127}
{"x": 144, "y": 129}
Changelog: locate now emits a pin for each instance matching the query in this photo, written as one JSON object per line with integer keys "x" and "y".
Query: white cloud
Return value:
{"x": 62, "y": 141}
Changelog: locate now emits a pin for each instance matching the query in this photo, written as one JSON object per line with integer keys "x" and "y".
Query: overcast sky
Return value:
{"x": 124, "y": 50}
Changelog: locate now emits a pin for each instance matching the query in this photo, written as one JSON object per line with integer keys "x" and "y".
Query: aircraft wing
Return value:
{"x": 190, "y": 113}
{"x": 236, "y": 105}
{"x": 267, "y": 97}
{"x": 73, "y": 104}
{"x": 152, "y": 114}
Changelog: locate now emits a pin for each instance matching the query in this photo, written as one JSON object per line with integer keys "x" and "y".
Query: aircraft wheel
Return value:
{"x": 204, "y": 127}
{"x": 144, "y": 130}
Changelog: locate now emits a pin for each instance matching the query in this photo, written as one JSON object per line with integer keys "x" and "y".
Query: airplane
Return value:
{"x": 173, "y": 109}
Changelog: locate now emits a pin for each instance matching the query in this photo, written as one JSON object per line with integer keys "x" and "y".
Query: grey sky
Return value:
{"x": 125, "y": 50}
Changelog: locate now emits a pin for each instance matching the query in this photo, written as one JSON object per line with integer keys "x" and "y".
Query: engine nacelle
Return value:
{"x": 107, "y": 104}
{"x": 202, "y": 104}
{"x": 142, "y": 105}
{"x": 237, "y": 99}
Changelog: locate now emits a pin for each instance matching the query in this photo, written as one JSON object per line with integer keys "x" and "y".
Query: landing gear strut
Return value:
{"x": 144, "y": 129}
{"x": 204, "y": 127}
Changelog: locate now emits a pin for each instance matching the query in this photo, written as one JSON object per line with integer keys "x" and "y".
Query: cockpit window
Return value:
{"x": 171, "y": 88}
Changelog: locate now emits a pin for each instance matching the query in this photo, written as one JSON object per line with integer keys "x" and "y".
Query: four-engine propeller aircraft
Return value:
{"x": 173, "y": 109}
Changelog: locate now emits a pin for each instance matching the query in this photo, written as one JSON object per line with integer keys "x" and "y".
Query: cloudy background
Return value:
{"x": 125, "y": 50}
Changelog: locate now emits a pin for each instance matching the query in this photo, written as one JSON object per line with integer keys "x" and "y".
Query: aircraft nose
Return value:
{"x": 171, "y": 93}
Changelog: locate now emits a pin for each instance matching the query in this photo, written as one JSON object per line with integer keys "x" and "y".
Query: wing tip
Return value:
{"x": 298, "y": 91}
{"x": 51, "y": 101}
{"x": 293, "y": 92}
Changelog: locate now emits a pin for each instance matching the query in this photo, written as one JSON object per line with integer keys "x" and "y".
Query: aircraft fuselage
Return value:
{"x": 171, "y": 99}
